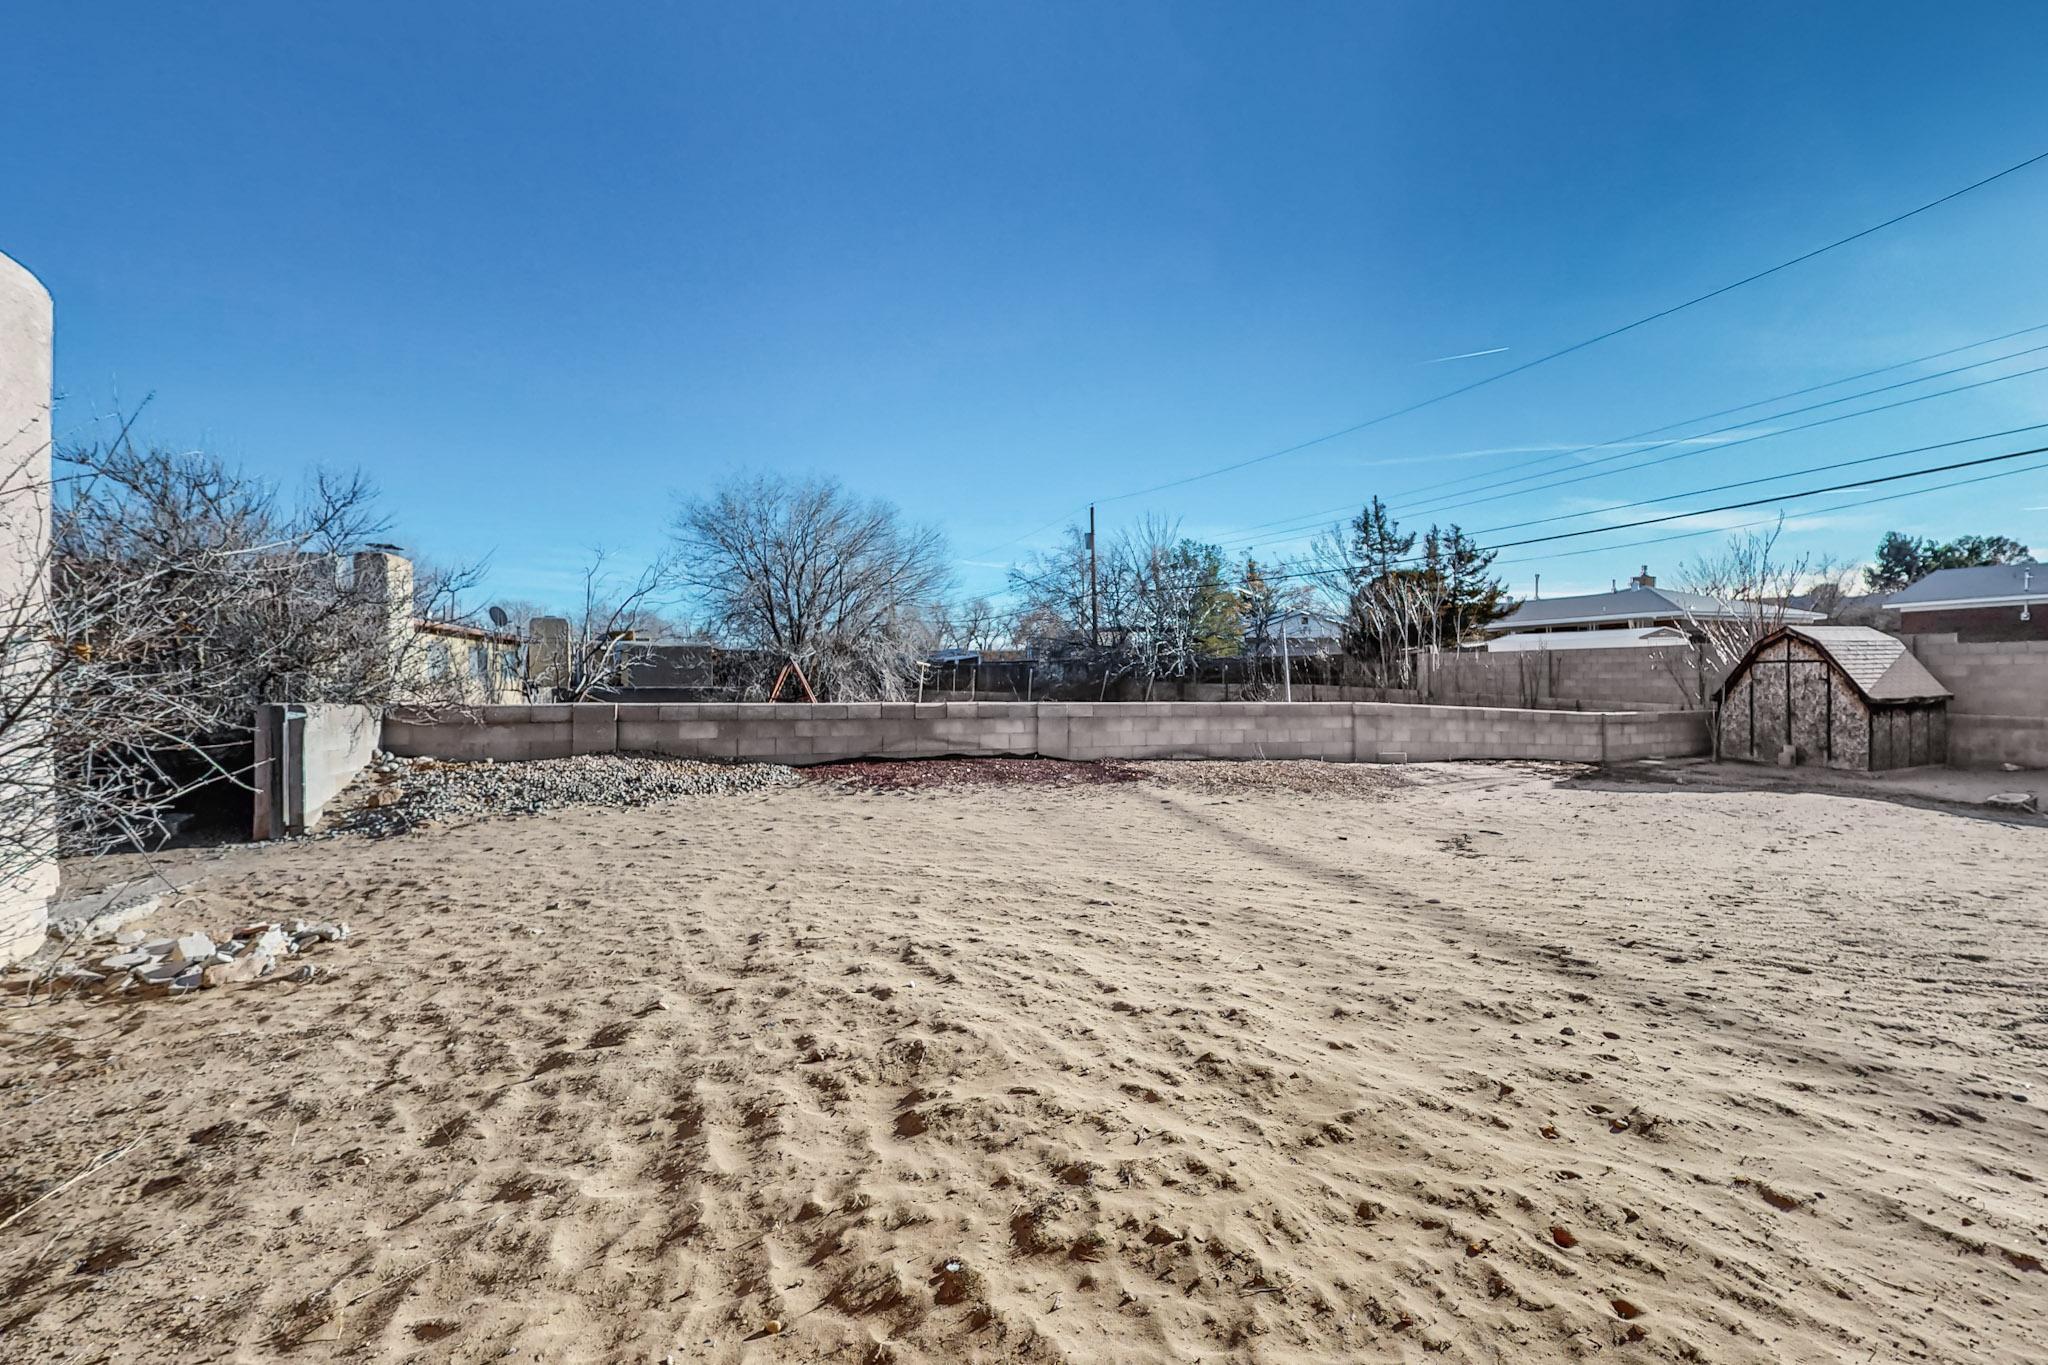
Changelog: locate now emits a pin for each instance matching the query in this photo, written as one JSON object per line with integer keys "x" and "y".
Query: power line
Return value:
{"x": 1594, "y": 340}
{"x": 1776, "y": 498}
{"x": 1766, "y": 521}
{"x": 1767, "y": 478}
{"x": 1294, "y": 520}
{"x": 1729, "y": 411}
{"x": 1724, "y": 446}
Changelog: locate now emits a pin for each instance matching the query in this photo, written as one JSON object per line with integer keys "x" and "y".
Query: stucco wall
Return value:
{"x": 1342, "y": 731}
{"x": 305, "y": 755}
{"x": 25, "y": 341}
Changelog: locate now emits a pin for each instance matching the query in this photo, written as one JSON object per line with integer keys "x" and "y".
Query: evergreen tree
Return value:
{"x": 1902, "y": 560}
{"x": 1472, "y": 597}
{"x": 1379, "y": 543}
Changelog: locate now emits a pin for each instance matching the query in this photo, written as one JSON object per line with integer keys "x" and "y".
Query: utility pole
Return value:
{"x": 1094, "y": 599}
{"x": 1286, "y": 665}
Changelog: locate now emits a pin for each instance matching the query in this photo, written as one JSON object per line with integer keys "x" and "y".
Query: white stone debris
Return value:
{"x": 195, "y": 960}
{"x": 192, "y": 948}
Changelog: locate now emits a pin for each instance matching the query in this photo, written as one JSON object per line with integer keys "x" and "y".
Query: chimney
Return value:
{"x": 548, "y": 654}
{"x": 384, "y": 581}
{"x": 1643, "y": 579}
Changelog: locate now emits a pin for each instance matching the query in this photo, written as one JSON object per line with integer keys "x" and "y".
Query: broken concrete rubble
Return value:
{"x": 192, "y": 948}
{"x": 194, "y": 960}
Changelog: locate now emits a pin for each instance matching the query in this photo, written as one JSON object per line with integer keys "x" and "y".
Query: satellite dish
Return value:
{"x": 499, "y": 618}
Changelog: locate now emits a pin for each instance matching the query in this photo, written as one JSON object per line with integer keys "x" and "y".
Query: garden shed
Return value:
{"x": 1838, "y": 696}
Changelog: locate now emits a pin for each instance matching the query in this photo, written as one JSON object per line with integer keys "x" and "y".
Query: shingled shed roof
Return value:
{"x": 1878, "y": 664}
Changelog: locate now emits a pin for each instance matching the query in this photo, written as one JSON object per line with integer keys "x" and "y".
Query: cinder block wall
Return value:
{"x": 2000, "y": 710}
{"x": 1996, "y": 678}
{"x": 1991, "y": 741}
{"x": 1590, "y": 678}
{"x": 837, "y": 732}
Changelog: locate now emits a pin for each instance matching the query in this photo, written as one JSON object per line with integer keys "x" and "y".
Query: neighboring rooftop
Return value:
{"x": 1988, "y": 585}
{"x": 1640, "y": 604}
{"x": 1626, "y": 637}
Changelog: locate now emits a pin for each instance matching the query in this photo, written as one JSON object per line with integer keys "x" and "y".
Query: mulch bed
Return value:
{"x": 922, "y": 773}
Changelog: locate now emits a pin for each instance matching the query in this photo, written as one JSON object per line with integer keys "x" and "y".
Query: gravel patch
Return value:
{"x": 398, "y": 794}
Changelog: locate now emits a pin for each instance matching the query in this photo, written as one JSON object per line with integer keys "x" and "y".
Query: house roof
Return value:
{"x": 1985, "y": 585}
{"x": 429, "y": 626}
{"x": 1632, "y": 604}
{"x": 1878, "y": 664}
{"x": 1308, "y": 624}
{"x": 1629, "y": 637}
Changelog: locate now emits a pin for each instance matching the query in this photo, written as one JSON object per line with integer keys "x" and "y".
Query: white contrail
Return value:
{"x": 1465, "y": 355}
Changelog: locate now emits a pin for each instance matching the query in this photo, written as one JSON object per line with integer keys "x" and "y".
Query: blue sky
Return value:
{"x": 539, "y": 268}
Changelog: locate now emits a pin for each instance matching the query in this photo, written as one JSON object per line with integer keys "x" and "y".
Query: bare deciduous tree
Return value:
{"x": 974, "y": 624}
{"x": 29, "y": 667}
{"x": 182, "y": 593}
{"x": 616, "y": 621}
{"x": 804, "y": 570}
{"x": 1176, "y": 608}
{"x": 1752, "y": 586}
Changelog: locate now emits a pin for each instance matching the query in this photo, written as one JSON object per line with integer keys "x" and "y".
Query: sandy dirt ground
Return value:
{"x": 1489, "y": 1064}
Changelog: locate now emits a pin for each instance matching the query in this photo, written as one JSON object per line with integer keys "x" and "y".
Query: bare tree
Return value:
{"x": 617, "y": 620}
{"x": 1175, "y": 606}
{"x": 1748, "y": 587}
{"x": 29, "y": 666}
{"x": 974, "y": 624}
{"x": 1158, "y": 602}
{"x": 182, "y": 594}
{"x": 805, "y": 571}
{"x": 1057, "y": 607}
{"x": 1398, "y": 605}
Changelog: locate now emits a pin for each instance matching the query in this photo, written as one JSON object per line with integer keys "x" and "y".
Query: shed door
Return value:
{"x": 1810, "y": 708}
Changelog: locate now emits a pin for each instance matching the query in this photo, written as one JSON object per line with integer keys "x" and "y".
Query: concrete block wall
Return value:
{"x": 1979, "y": 741}
{"x": 1999, "y": 713}
{"x": 1587, "y": 679}
{"x": 1994, "y": 678}
{"x": 838, "y": 732}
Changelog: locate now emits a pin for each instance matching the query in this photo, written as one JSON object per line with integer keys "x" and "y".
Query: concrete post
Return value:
{"x": 28, "y": 882}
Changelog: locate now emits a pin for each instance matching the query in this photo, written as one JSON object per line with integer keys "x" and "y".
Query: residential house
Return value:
{"x": 1629, "y": 617}
{"x": 1989, "y": 602}
{"x": 437, "y": 660}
